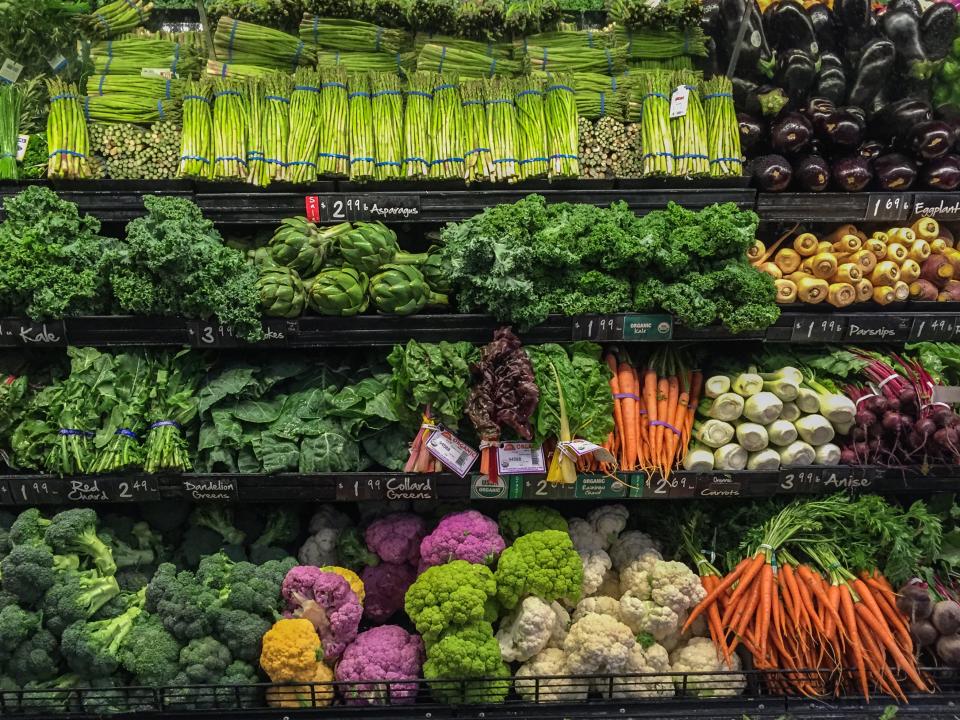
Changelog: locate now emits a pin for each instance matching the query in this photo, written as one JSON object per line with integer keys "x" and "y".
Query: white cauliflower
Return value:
{"x": 610, "y": 586}
{"x": 327, "y": 516}
{"x": 552, "y": 661}
{"x": 700, "y": 655}
{"x": 583, "y": 536}
{"x": 608, "y": 521}
{"x": 595, "y": 566}
{"x": 601, "y": 605}
{"x": 530, "y": 628}
{"x": 320, "y": 548}
{"x": 675, "y": 585}
{"x": 636, "y": 577}
{"x": 598, "y": 644}
{"x": 640, "y": 678}
{"x": 631, "y": 546}
{"x": 646, "y": 617}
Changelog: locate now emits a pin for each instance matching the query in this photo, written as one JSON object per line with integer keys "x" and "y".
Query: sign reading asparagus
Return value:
{"x": 378, "y": 206}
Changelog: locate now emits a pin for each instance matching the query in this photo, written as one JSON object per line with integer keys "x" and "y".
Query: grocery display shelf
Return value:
{"x": 43, "y": 489}
{"x": 857, "y": 207}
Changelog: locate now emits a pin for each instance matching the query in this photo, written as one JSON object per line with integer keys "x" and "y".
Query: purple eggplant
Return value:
{"x": 942, "y": 173}
{"x": 791, "y": 133}
{"x": 772, "y": 173}
{"x": 930, "y": 139}
{"x": 937, "y": 30}
{"x": 894, "y": 171}
{"x": 792, "y": 28}
{"x": 852, "y": 173}
{"x": 871, "y": 149}
{"x": 897, "y": 118}
{"x": 831, "y": 82}
{"x": 841, "y": 128}
{"x": 753, "y": 133}
{"x": 813, "y": 173}
{"x": 873, "y": 70}
{"x": 818, "y": 107}
{"x": 825, "y": 26}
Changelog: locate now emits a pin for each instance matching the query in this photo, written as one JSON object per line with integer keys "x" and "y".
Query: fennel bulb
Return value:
{"x": 768, "y": 459}
{"x": 808, "y": 400}
{"x": 714, "y": 433}
{"x": 783, "y": 389}
{"x": 698, "y": 459}
{"x": 716, "y": 386}
{"x": 752, "y": 437}
{"x": 791, "y": 374}
{"x": 730, "y": 457}
{"x": 782, "y": 432}
{"x": 797, "y": 453}
{"x": 728, "y": 406}
{"x": 814, "y": 429}
{"x": 790, "y": 412}
{"x": 762, "y": 408}
{"x": 828, "y": 454}
{"x": 747, "y": 384}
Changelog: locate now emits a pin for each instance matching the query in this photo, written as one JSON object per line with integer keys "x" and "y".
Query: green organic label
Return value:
{"x": 599, "y": 487}
{"x": 648, "y": 328}
{"x": 483, "y": 488}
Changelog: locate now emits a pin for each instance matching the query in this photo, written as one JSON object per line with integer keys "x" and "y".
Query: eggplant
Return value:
{"x": 910, "y": 6}
{"x": 856, "y": 19}
{"x": 824, "y": 27}
{"x": 852, "y": 173}
{"x": 753, "y": 133}
{"x": 818, "y": 107}
{"x": 841, "y": 128}
{"x": 710, "y": 21}
{"x": 793, "y": 28}
{"x": 813, "y": 173}
{"x": 796, "y": 72}
{"x": 831, "y": 82}
{"x": 873, "y": 70}
{"x": 902, "y": 28}
{"x": 871, "y": 149}
{"x": 772, "y": 173}
{"x": 937, "y": 30}
{"x": 894, "y": 172}
{"x": 791, "y": 133}
{"x": 858, "y": 114}
{"x": 897, "y": 118}
{"x": 930, "y": 139}
{"x": 943, "y": 173}
{"x": 755, "y": 53}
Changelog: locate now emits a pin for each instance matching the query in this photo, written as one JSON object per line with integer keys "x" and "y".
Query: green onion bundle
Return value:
{"x": 236, "y": 71}
{"x": 531, "y": 129}
{"x": 689, "y": 134}
{"x": 362, "y": 159}
{"x": 275, "y": 128}
{"x": 352, "y": 35}
{"x": 417, "y": 114}
{"x": 357, "y": 62}
{"x": 333, "y": 157}
{"x": 257, "y": 172}
{"x": 129, "y": 56}
{"x": 304, "y": 140}
{"x": 247, "y": 44}
{"x": 502, "y": 126}
{"x": 132, "y": 85}
{"x": 723, "y": 132}
{"x": 478, "y": 162}
{"x": 446, "y": 130}
{"x": 196, "y": 149}
{"x": 67, "y": 137}
{"x": 117, "y": 18}
{"x": 466, "y": 63}
{"x": 560, "y": 110}
{"x": 554, "y": 59}
{"x": 645, "y": 43}
{"x": 230, "y": 109}
{"x": 10, "y": 103}
{"x": 658, "y": 154}
{"x": 387, "y": 101}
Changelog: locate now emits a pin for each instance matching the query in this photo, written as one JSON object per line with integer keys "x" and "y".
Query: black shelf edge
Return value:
{"x": 858, "y": 207}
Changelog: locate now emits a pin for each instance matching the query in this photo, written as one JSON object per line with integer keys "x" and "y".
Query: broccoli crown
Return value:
{"x": 452, "y": 595}
{"x": 197, "y": 543}
{"x": 125, "y": 555}
{"x": 133, "y": 579}
{"x": 183, "y": 604}
{"x": 120, "y": 604}
{"x": 76, "y": 596}
{"x": 282, "y": 528}
{"x": 27, "y": 573}
{"x": 149, "y": 652}
{"x": 36, "y": 658}
{"x": 6, "y": 599}
{"x": 213, "y": 571}
{"x": 16, "y": 625}
{"x": 241, "y": 632}
{"x": 204, "y": 660}
{"x": 235, "y": 691}
{"x": 51, "y": 695}
{"x": 91, "y": 649}
{"x": 529, "y": 518}
{"x": 544, "y": 564}
{"x": 256, "y": 588}
{"x": 28, "y": 528}
{"x": 470, "y": 652}
{"x": 6, "y": 520}
{"x": 180, "y": 696}
{"x": 75, "y": 531}
{"x": 220, "y": 520}
{"x": 352, "y": 550}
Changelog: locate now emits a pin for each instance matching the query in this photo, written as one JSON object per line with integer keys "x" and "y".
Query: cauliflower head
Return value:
{"x": 700, "y": 655}
{"x": 601, "y": 605}
{"x": 290, "y": 652}
{"x": 608, "y": 521}
{"x": 676, "y": 586}
{"x": 356, "y": 584}
{"x": 471, "y": 652}
{"x": 631, "y": 546}
{"x": 529, "y": 518}
{"x": 541, "y": 563}
{"x": 320, "y": 548}
{"x": 583, "y": 536}
{"x": 317, "y": 694}
{"x": 646, "y": 617}
{"x": 531, "y": 628}
{"x": 598, "y": 644}
{"x": 451, "y": 596}
{"x": 551, "y": 661}
{"x": 467, "y": 535}
{"x": 595, "y": 566}
{"x": 396, "y": 538}
{"x": 646, "y": 662}
{"x": 387, "y": 652}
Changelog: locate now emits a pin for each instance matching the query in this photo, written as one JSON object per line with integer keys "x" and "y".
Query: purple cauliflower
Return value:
{"x": 328, "y": 602}
{"x": 396, "y": 537}
{"x": 467, "y": 535}
{"x": 299, "y": 580}
{"x": 386, "y": 585}
{"x": 382, "y": 653}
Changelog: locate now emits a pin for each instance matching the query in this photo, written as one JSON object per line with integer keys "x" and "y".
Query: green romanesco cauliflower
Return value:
{"x": 529, "y": 518}
{"x": 544, "y": 564}
{"x": 470, "y": 652}
{"x": 451, "y": 596}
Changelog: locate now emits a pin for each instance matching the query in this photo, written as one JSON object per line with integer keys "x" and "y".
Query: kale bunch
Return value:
{"x": 175, "y": 263}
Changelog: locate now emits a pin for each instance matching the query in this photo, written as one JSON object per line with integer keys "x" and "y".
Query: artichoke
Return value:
{"x": 302, "y": 246}
{"x": 436, "y": 272}
{"x": 339, "y": 291}
{"x": 281, "y": 292}
{"x": 402, "y": 290}
{"x": 369, "y": 246}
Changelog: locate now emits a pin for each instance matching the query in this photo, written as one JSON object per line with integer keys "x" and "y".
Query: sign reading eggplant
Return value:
{"x": 939, "y": 206}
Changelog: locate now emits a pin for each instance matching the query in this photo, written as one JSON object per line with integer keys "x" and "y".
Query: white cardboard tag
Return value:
{"x": 453, "y": 452}
{"x": 679, "y": 101}
{"x": 10, "y": 70}
{"x": 520, "y": 458}
{"x": 22, "y": 142}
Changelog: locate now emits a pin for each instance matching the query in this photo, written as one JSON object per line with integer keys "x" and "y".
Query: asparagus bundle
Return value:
{"x": 678, "y": 63}
{"x": 362, "y": 159}
{"x": 478, "y": 162}
{"x": 446, "y": 128}
{"x": 129, "y": 56}
{"x": 503, "y": 129}
{"x": 658, "y": 154}
{"x": 247, "y": 44}
{"x": 723, "y": 132}
{"x": 498, "y": 51}
{"x": 560, "y": 110}
{"x": 646, "y": 43}
{"x": 257, "y": 172}
{"x": 67, "y": 137}
{"x": 131, "y": 152}
{"x": 333, "y": 157}
{"x": 352, "y": 35}
{"x": 236, "y": 71}
{"x": 387, "y": 101}
{"x": 531, "y": 129}
{"x": 10, "y": 103}
{"x": 689, "y": 134}
{"x": 130, "y": 109}
{"x": 599, "y": 95}
{"x": 229, "y": 130}
{"x": 117, "y": 18}
{"x": 569, "y": 40}
{"x": 145, "y": 87}
{"x": 416, "y": 124}
{"x": 466, "y": 63}
{"x": 357, "y": 62}
{"x": 562, "y": 58}
{"x": 275, "y": 128}
{"x": 196, "y": 140}
{"x": 609, "y": 149}
{"x": 304, "y": 140}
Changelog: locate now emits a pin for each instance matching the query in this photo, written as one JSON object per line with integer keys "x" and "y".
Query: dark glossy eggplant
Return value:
{"x": 937, "y": 30}
{"x": 930, "y": 139}
{"x": 818, "y": 107}
{"x": 793, "y": 28}
{"x": 772, "y": 173}
{"x": 897, "y": 118}
{"x": 812, "y": 173}
{"x": 824, "y": 26}
{"x": 871, "y": 149}
{"x": 910, "y": 6}
{"x": 851, "y": 173}
{"x": 855, "y": 19}
{"x": 894, "y": 172}
{"x": 943, "y": 173}
{"x": 753, "y": 133}
{"x": 796, "y": 73}
{"x": 840, "y": 128}
{"x": 873, "y": 70}
{"x": 756, "y": 56}
{"x": 791, "y": 133}
{"x": 902, "y": 28}
{"x": 831, "y": 82}
{"x": 858, "y": 113}
{"x": 710, "y": 21}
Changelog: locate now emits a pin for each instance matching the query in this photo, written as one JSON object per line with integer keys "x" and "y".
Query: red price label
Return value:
{"x": 313, "y": 208}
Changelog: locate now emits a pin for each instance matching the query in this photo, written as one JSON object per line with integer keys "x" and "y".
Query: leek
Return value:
{"x": 730, "y": 457}
{"x": 752, "y": 437}
{"x": 815, "y": 429}
{"x": 797, "y": 453}
{"x": 716, "y": 386}
{"x": 768, "y": 459}
{"x": 782, "y": 432}
{"x": 763, "y": 408}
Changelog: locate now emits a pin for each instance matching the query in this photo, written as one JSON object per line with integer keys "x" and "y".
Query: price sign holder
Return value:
{"x": 6, "y": 494}
{"x": 934, "y": 328}
{"x": 279, "y": 332}
{"x": 385, "y": 207}
{"x": 142, "y": 488}
{"x": 818, "y": 329}
{"x": 598, "y": 328}
{"x": 204, "y": 334}
{"x": 824, "y": 479}
{"x": 678, "y": 485}
{"x": 537, "y": 488}
{"x": 349, "y": 490}
{"x": 888, "y": 206}
{"x": 878, "y": 328}
{"x": 599, "y": 487}
{"x": 648, "y": 328}
{"x": 718, "y": 485}
{"x": 631, "y": 328}
{"x": 33, "y": 491}
{"x": 16, "y": 333}
{"x": 218, "y": 489}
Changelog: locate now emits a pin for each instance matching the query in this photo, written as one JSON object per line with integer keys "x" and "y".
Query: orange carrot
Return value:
{"x": 650, "y": 403}
{"x": 671, "y": 435}
{"x": 856, "y": 647}
{"x": 663, "y": 393}
{"x": 615, "y": 390}
{"x": 885, "y": 637}
{"x": 629, "y": 409}
{"x": 753, "y": 569}
{"x": 696, "y": 387}
{"x": 714, "y": 594}
{"x": 766, "y": 602}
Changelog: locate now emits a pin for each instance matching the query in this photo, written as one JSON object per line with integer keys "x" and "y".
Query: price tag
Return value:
{"x": 678, "y": 485}
{"x": 14, "y": 333}
{"x": 520, "y": 458}
{"x": 162, "y": 73}
{"x": 131, "y": 489}
{"x": 279, "y": 332}
{"x": 540, "y": 489}
{"x": 599, "y": 328}
{"x": 6, "y": 494}
{"x": 484, "y": 488}
{"x": 57, "y": 63}
{"x": 888, "y": 206}
{"x": 941, "y": 206}
{"x": 10, "y": 70}
{"x": 599, "y": 487}
{"x": 817, "y": 329}
{"x": 210, "y": 335}
{"x": 371, "y": 488}
{"x": 22, "y": 142}
{"x": 934, "y": 329}
{"x": 879, "y": 328}
{"x": 453, "y": 452}
{"x": 679, "y": 101}
{"x": 210, "y": 488}
{"x": 648, "y": 328}
{"x": 949, "y": 394}
{"x": 824, "y": 478}
{"x": 30, "y": 491}
{"x": 375, "y": 206}
{"x": 718, "y": 485}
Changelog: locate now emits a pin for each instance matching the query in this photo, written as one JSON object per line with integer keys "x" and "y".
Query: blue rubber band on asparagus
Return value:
{"x": 543, "y": 61}
{"x": 726, "y": 159}
{"x": 563, "y": 156}
{"x": 527, "y": 161}
{"x": 160, "y": 109}
{"x": 296, "y": 55}
{"x": 380, "y": 93}
{"x": 340, "y": 85}
{"x": 316, "y": 35}
{"x": 306, "y": 88}
{"x": 392, "y": 163}
{"x": 590, "y": 38}
{"x": 717, "y": 95}
{"x": 294, "y": 163}
{"x": 504, "y": 160}
{"x": 167, "y": 93}
{"x": 362, "y": 159}
{"x": 204, "y": 160}
{"x": 603, "y": 104}
{"x": 420, "y": 93}
{"x": 63, "y": 96}
{"x": 103, "y": 79}
{"x": 233, "y": 35}
{"x": 335, "y": 156}
{"x": 223, "y": 71}
{"x": 71, "y": 153}
{"x": 613, "y": 83}
{"x": 277, "y": 98}
{"x": 493, "y": 67}
{"x": 201, "y": 98}
{"x": 561, "y": 87}
{"x": 606, "y": 52}
{"x": 528, "y": 92}
{"x": 476, "y": 151}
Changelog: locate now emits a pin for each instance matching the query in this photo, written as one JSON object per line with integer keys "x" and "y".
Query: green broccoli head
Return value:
{"x": 181, "y": 696}
{"x": 452, "y": 595}
{"x": 219, "y": 519}
{"x": 197, "y": 543}
{"x": 134, "y": 579}
{"x": 182, "y": 603}
{"x": 92, "y": 649}
{"x": 283, "y": 527}
{"x": 544, "y": 564}
{"x": 28, "y": 572}
{"x": 124, "y": 554}
{"x": 150, "y": 652}
{"x": 529, "y": 518}
{"x": 470, "y": 652}
{"x": 51, "y": 695}
{"x": 76, "y": 596}
{"x": 204, "y": 661}
{"x": 256, "y": 588}
{"x": 6, "y": 520}
{"x": 28, "y": 528}
{"x": 241, "y": 632}
{"x": 213, "y": 571}
{"x": 75, "y": 531}
{"x": 35, "y": 659}
{"x": 352, "y": 551}
{"x": 235, "y": 691}
{"x": 16, "y": 625}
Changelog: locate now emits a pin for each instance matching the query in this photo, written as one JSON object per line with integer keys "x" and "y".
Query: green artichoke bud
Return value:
{"x": 402, "y": 290}
{"x": 369, "y": 246}
{"x": 302, "y": 246}
{"x": 281, "y": 292}
{"x": 339, "y": 291}
{"x": 261, "y": 257}
{"x": 436, "y": 272}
